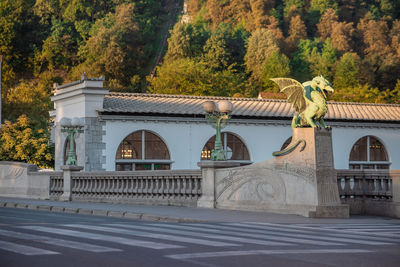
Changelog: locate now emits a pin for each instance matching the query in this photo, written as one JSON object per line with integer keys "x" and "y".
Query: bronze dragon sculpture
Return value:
{"x": 309, "y": 101}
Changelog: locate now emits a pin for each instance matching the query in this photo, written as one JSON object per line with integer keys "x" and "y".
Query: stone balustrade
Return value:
{"x": 56, "y": 185}
{"x": 375, "y": 184}
{"x": 367, "y": 191}
{"x": 372, "y": 192}
{"x": 178, "y": 187}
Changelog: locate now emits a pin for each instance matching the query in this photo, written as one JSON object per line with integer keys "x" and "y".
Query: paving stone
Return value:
{"x": 100, "y": 212}
{"x": 149, "y": 217}
{"x": 21, "y": 206}
{"x": 10, "y": 205}
{"x": 131, "y": 215}
{"x": 70, "y": 210}
{"x": 85, "y": 211}
{"x": 32, "y": 206}
{"x": 43, "y": 207}
{"x": 116, "y": 213}
{"x": 57, "y": 209}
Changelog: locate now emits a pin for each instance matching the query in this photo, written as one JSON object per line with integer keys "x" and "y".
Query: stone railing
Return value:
{"x": 177, "y": 187}
{"x": 367, "y": 191}
{"x": 56, "y": 185}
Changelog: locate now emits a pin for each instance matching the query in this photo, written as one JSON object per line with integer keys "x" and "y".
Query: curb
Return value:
{"x": 96, "y": 212}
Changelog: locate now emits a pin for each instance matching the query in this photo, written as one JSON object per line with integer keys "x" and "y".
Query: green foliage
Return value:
{"x": 19, "y": 141}
{"x": 192, "y": 77}
{"x": 261, "y": 44}
{"x": 225, "y": 48}
{"x": 275, "y": 65}
{"x": 187, "y": 40}
{"x": 347, "y": 72}
{"x": 314, "y": 58}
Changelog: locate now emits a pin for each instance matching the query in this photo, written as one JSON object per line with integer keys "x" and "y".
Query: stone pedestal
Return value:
{"x": 67, "y": 170}
{"x": 317, "y": 155}
{"x": 208, "y": 167}
{"x": 302, "y": 182}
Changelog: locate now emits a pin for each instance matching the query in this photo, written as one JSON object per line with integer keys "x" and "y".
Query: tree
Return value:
{"x": 225, "y": 49}
{"x": 261, "y": 44}
{"x": 59, "y": 49}
{"x": 299, "y": 4}
{"x": 328, "y": 19}
{"x": 317, "y": 8}
{"x": 297, "y": 31}
{"x": 313, "y": 58}
{"x": 380, "y": 56}
{"x": 347, "y": 72}
{"x": 20, "y": 142}
{"x": 322, "y": 60}
{"x": 113, "y": 49}
{"x": 31, "y": 98}
{"x": 275, "y": 65}
{"x": 187, "y": 40}
{"x": 190, "y": 77}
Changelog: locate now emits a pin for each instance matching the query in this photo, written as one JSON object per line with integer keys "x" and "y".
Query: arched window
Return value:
{"x": 66, "y": 149}
{"x": 142, "y": 150}
{"x": 368, "y": 153}
{"x": 234, "y": 148}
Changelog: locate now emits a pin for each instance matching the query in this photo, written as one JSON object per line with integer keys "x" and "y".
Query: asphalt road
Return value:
{"x": 40, "y": 238}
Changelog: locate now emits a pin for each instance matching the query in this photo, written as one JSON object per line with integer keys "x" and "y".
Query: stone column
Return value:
{"x": 67, "y": 170}
{"x": 208, "y": 167}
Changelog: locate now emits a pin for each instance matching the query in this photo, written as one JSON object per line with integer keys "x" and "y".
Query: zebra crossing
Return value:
{"x": 378, "y": 229}
{"x": 215, "y": 239}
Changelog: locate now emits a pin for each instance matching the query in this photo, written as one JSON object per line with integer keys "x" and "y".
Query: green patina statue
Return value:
{"x": 308, "y": 100}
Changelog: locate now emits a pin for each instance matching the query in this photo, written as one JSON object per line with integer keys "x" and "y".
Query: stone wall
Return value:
{"x": 23, "y": 181}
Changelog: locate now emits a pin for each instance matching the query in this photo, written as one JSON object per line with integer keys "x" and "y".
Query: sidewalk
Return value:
{"x": 174, "y": 213}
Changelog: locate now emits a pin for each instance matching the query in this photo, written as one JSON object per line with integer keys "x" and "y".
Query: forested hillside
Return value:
{"x": 55, "y": 41}
{"x": 234, "y": 47}
{"x": 226, "y": 48}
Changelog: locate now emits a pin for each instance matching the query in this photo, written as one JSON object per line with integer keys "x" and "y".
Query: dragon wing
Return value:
{"x": 294, "y": 92}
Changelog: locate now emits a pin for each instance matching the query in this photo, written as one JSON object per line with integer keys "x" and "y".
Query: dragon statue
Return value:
{"x": 309, "y": 101}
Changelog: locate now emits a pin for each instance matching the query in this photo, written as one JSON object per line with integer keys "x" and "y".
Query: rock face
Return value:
{"x": 301, "y": 182}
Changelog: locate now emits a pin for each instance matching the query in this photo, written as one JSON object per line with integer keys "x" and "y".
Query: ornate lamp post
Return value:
{"x": 72, "y": 127}
{"x": 218, "y": 118}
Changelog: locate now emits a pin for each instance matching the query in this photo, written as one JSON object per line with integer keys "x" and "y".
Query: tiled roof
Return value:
{"x": 248, "y": 107}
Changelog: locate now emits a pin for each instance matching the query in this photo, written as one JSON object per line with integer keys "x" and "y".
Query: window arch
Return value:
{"x": 66, "y": 150}
{"x": 368, "y": 153}
{"x": 142, "y": 150}
{"x": 234, "y": 148}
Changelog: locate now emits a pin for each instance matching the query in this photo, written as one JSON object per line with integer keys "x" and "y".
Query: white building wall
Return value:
{"x": 185, "y": 140}
{"x": 343, "y": 139}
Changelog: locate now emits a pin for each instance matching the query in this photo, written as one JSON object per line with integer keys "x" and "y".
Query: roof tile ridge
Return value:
{"x": 197, "y": 97}
{"x": 363, "y": 104}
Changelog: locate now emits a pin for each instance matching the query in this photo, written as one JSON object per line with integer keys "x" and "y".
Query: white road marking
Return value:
{"x": 233, "y": 231}
{"x": 333, "y": 232}
{"x": 25, "y": 250}
{"x": 109, "y": 238}
{"x": 152, "y": 235}
{"x": 57, "y": 242}
{"x": 315, "y": 236}
{"x": 262, "y": 252}
{"x": 212, "y": 236}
